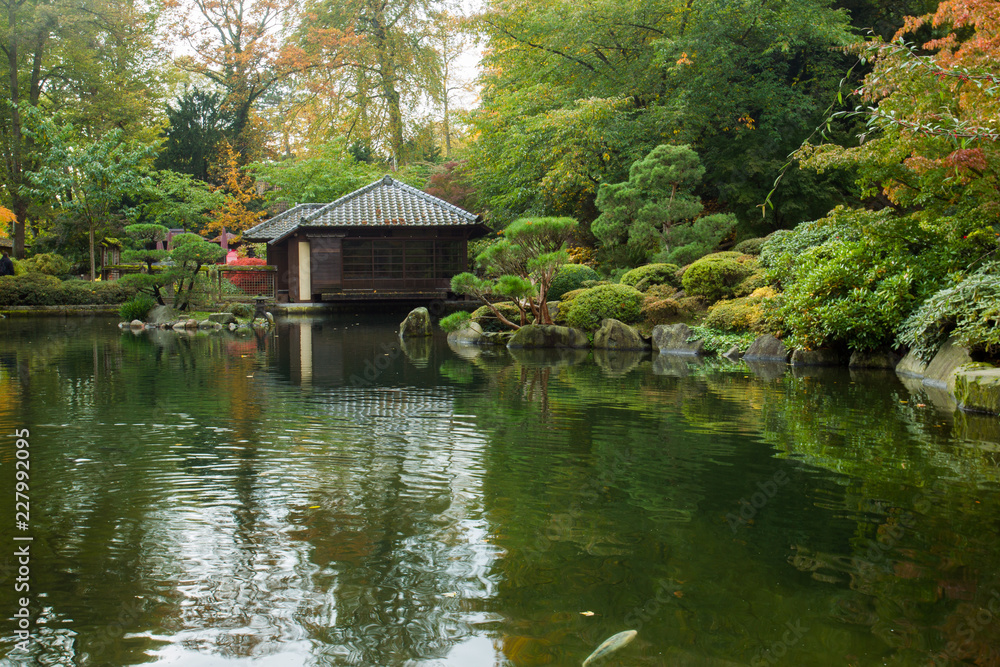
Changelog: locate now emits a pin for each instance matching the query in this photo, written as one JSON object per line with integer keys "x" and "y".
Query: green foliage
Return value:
{"x": 750, "y": 246}
{"x": 855, "y": 276}
{"x": 745, "y": 314}
{"x": 241, "y": 310}
{"x": 325, "y": 174}
{"x": 720, "y": 342}
{"x": 575, "y": 95}
{"x": 455, "y": 321}
{"x": 697, "y": 239}
{"x": 524, "y": 263}
{"x": 477, "y": 247}
{"x": 621, "y": 302}
{"x": 136, "y": 308}
{"x": 716, "y": 276}
{"x": 969, "y": 310}
{"x": 195, "y": 126}
{"x": 177, "y": 200}
{"x": 488, "y": 321}
{"x": 655, "y": 211}
{"x": 570, "y": 277}
{"x": 644, "y": 277}
{"x": 47, "y": 263}
{"x": 39, "y": 289}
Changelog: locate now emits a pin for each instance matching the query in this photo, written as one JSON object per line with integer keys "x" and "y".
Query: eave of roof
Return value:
{"x": 386, "y": 202}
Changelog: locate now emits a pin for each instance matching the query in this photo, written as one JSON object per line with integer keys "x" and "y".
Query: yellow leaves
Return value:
{"x": 684, "y": 60}
{"x": 6, "y": 215}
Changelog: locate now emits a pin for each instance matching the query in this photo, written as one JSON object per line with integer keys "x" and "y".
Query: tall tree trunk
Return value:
{"x": 387, "y": 80}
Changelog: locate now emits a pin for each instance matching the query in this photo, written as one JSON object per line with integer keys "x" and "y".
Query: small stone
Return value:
{"x": 137, "y": 324}
{"x": 232, "y": 326}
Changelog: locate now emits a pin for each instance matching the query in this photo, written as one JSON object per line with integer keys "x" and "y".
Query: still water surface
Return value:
{"x": 325, "y": 496}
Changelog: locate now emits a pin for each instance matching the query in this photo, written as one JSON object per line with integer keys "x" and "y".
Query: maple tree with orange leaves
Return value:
{"x": 240, "y": 209}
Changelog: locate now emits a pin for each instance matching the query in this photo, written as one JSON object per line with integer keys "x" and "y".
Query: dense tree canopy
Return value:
{"x": 574, "y": 93}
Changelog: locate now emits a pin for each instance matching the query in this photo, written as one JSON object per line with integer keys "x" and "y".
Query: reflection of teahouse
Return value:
{"x": 387, "y": 240}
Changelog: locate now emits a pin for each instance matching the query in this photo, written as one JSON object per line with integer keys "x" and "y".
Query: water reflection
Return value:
{"x": 325, "y": 495}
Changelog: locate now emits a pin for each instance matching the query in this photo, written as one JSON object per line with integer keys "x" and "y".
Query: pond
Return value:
{"x": 325, "y": 496}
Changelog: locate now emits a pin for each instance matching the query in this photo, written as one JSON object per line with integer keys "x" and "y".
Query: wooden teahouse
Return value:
{"x": 387, "y": 240}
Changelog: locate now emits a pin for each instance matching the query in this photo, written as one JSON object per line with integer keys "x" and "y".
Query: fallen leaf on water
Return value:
{"x": 678, "y": 594}
{"x": 451, "y": 595}
{"x": 586, "y": 613}
{"x": 921, "y": 405}
{"x": 314, "y": 507}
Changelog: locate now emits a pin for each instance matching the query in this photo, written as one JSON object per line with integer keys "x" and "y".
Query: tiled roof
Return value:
{"x": 384, "y": 202}
{"x": 280, "y": 224}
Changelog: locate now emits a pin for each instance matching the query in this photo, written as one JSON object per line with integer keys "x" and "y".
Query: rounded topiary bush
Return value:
{"x": 136, "y": 308}
{"x": 750, "y": 246}
{"x": 48, "y": 263}
{"x": 651, "y": 274}
{"x": 748, "y": 313}
{"x": 716, "y": 276}
{"x": 622, "y": 302}
{"x": 570, "y": 277}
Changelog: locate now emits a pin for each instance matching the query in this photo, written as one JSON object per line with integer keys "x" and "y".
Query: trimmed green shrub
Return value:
{"x": 748, "y": 313}
{"x": 587, "y": 284}
{"x": 716, "y": 276}
{"x": 455, "y": 321}
{"x": 969, "y": 310}
{"x": 570, "y": 277}
{"x": 646, "y": 276}
{"x": 136, "y": 308}
{"x": 750, "y": 246}
{"x": 48, "y": 263}
{"x": 31, "y": 289}
{"x": 572, "y": 294}
{"x": 40, "y": 289}
{"x": 621, "y": 302}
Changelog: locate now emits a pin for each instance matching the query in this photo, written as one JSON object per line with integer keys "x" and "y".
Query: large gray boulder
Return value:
{"x": 673, "y": 339}
{"x": 767, "y": 348}
{"x": 911, "y": 366}
{"x": 548, "y": 335}
{"x": 222, "y": 318}
{"x": 941, "y": 371}
{"x": 616, "y": 335}
{"x": 416, "y": 324}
